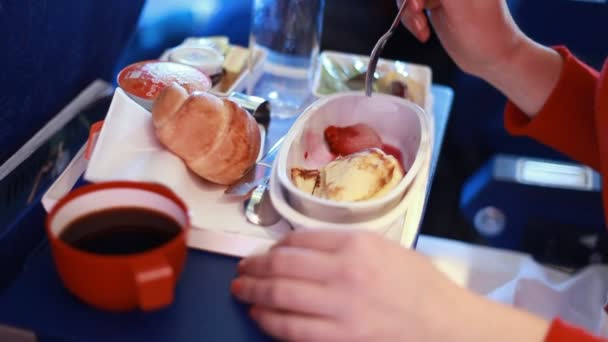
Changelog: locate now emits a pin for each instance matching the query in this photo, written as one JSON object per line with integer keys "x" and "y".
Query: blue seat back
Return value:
{"x": 51, "y": 50}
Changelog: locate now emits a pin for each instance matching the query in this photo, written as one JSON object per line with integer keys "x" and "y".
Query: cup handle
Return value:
{"x": 154, "y": 282}
{"x": 93, "y": 133}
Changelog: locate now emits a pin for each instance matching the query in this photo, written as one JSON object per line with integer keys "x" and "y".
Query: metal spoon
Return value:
{"x": 373, "y": 60}
{"x": 259, "y": 209}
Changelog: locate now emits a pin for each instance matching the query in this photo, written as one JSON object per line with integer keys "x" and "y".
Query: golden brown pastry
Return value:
{"x": 216, "y": 138}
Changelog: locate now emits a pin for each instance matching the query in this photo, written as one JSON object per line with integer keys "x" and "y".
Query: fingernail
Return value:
{"x": 415, "y": 5}
{"x": 418, "y": 24}
{"x": 254, "y": 312}
{"x": 236, "y": 286}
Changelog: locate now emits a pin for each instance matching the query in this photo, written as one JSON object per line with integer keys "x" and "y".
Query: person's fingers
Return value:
{"x": 425, "y": 32}
{"x": 413, "y": 5}
{"x": 295, "y": 296}
{"x": 412, "y": 8}
{"x": 432, "y": 4}
{"x": 295, "y": 327}
{"x": 290, "y": 262}
{"x": 325, "y": 240}
{"x": 409, "y": 25}
{"x": 418, "y": 25}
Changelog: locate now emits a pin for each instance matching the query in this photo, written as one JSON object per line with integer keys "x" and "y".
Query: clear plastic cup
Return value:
{"x": 289, "y": 31}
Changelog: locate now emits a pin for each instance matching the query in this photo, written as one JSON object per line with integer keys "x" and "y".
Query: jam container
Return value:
{"x": 143, "y": 81}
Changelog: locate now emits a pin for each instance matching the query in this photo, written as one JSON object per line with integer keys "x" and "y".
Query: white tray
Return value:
{"x": 126, "y": 146}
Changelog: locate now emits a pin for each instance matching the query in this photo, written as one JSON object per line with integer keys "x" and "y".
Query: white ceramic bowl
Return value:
{"x": 399, "y": 122}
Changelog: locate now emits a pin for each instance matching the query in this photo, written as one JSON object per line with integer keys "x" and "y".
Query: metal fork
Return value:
{"x": 373, "y": 60}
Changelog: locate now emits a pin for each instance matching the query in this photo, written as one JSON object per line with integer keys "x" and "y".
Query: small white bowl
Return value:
{"x": 205, "y": 59}
{"x": 399, "y": 122}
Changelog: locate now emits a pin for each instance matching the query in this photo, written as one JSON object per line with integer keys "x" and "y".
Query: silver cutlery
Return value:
{"x": 259, "y": 209}
{"x": 373, "y": 60}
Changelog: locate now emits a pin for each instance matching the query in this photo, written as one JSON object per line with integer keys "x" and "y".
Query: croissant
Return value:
{"x": 217, "y": 139}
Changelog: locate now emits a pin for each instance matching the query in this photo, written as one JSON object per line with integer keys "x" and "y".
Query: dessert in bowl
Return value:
{"x": 351, "y": 158}
{"x": 381, "y": 224}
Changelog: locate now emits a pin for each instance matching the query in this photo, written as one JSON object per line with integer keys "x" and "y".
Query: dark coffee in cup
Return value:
{"x": 120, "y": 231}
{"x": 120, "y": 245}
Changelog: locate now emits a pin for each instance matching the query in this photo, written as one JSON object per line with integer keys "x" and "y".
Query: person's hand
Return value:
{"x": 482, "y": 38}
{"x": 477, "y": 34}
{"x": 339, "y": 286}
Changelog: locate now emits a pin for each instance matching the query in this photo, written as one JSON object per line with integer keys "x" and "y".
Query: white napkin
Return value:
{"x": 516, "y": 279}
{"x": 127, "y": 149}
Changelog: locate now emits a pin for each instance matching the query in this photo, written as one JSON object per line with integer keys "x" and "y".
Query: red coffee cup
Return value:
{"x": 118, "y": 280}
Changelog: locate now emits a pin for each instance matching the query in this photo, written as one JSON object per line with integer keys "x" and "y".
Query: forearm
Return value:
{"x": 528, "y": 76}
{"x": 567, "y": 120}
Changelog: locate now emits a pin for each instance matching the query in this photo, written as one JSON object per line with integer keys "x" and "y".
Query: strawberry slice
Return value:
{"x": 347, "y": 140}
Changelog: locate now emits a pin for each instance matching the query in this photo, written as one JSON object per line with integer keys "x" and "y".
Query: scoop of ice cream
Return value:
{"x": 347, "y": 140}
{"x": 357, "y": 177}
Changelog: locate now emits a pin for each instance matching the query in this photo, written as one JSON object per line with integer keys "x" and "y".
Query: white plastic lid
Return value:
{"x": 206, "y": 59}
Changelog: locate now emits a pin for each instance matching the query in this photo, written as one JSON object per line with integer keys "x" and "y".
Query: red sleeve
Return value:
{"x": 566, "y": 122}
{"x": 562, "y": 332}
